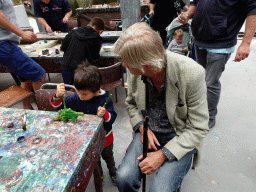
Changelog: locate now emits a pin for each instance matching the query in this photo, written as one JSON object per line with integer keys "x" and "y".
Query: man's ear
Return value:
{"x": 146, "y": 66}
{"x": 100, "y": 31}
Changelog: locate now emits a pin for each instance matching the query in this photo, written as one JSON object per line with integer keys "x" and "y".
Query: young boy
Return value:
{"x": 81, "y": 44}
{"x": 90, "y": 99}
{"x": 177, "y": 45}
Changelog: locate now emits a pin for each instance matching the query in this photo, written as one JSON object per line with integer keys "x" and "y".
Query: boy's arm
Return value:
{"x": 65, "y": 42}
{"x": 56, "y": 102}
{"x": 56, "y": 99}
{"x": 110, "y": 114}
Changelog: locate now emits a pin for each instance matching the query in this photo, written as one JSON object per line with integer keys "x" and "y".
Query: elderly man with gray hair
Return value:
{"x": 172, "y": 90}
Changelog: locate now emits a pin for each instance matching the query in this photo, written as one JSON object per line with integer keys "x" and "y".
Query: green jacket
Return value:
{"x": 186, "y": 103}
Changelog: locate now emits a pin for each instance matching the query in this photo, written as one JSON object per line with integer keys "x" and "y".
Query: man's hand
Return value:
{"x": 242, "y": 52}
{"x": 152, "y": 140}
{"x": 65, "y": 20}
{"x": 152, "y": 162}
{"x": 27, "y": 3}
{"x": 28, "y": 35}
{"x": 151, "y": 12}
{"x": 48, "y": 29}
{"x": 60, "y": 90}
{"x": 101, "y": 111}
{"x": 183, "y": 17}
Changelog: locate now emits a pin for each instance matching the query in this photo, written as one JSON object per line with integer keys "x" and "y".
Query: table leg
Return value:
{"x": 97, "y": 179}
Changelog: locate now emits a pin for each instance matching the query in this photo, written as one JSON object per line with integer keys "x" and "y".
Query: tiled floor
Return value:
{"x": 228, "y": 161}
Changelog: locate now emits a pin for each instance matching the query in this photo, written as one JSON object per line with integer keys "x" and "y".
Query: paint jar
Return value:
{"x": 21, "y": 139}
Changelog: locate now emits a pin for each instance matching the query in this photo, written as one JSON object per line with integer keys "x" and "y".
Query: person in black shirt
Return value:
{"x": 163, "y": 13}
{"x": 79, "y": 45}
{"x": 53, "y": 14}
{"x": 215, "y": 29}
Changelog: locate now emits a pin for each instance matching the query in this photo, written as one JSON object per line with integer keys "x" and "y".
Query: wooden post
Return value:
{"x": 130, "y": 12}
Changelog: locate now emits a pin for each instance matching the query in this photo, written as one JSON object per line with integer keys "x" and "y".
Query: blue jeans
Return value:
{"x": 68, "y": 77}
{"x": 214, "y": 64}
{"x": 19, "y": 63}
{"x": 167, "y": 178}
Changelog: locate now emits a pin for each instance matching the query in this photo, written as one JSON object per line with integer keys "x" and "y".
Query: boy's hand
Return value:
{"x": 101, "y": 111}
{"x": 60, "y": 90}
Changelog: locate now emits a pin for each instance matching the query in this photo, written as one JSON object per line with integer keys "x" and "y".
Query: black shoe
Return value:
{"x": 211, "y": 123}
{"x": 102, "y": 180}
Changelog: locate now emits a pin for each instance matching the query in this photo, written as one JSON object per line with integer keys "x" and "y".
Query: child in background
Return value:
{"x": 177, "y": 45}
{"x": 89, "y": 99}
{"x": 81, "y": 44}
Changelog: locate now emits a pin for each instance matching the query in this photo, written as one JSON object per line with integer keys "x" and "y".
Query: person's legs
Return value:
{"x": 128, "y": 174}
{"x": 68, "y": 78}
{"x": 108, "y": 156}
{"x": 201, "y": 55}
{"x": 163, "y": 35}
{"x": 214, "y": 64}
{"x": 169, "y": 176}
{"x": 28, "y": 86}
{"x": 31, "y": 86}
{"x": 37, "y": 84}
{"x": 30, "y": 73}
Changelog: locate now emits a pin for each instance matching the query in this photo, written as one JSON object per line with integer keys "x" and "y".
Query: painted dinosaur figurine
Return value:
{"x": 66, "y": 113}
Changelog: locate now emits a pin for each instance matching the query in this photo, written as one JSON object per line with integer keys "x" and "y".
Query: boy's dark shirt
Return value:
{"x": 90, "y": 107}
{"x": 79, "y": 45}
{"x": 53, "y": 13}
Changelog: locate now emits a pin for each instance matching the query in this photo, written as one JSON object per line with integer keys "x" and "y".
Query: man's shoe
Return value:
{"x": 211, "y": 123}
{"x": 113, "y": 179}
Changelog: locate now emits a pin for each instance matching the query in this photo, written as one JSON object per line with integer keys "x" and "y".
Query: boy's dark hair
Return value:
{"x": 87, "y": 77}
{"x": 98, "y": 23}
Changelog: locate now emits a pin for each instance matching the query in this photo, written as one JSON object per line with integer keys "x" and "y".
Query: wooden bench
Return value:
{"x": 13, "y": 95}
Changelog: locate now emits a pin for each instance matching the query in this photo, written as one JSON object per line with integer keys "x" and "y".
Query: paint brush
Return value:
{"x": 24, "y": 125}
{"x": 107, "y": 100}
{"x": 64, "y": 102}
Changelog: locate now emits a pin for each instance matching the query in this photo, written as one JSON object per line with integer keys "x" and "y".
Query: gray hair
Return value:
{"x": 139, "y": 45}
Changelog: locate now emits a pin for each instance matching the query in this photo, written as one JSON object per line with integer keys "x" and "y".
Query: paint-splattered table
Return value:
{"x": 61, "y": 159}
